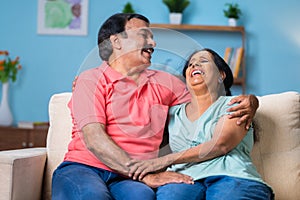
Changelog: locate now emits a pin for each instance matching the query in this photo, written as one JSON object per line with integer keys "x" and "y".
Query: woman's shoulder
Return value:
{"x": 225, "y": 99}
{"x": 177, "y": 108}
{"x": 223, "y": 103}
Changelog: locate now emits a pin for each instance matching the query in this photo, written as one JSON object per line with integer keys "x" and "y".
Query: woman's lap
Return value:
{"x": 180, "y": 191}
{"x": 231, "y": 188}
{"x": 217, "y": 187}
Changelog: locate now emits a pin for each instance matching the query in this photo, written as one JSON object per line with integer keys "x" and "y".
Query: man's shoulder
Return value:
{"x": 159, "y": 72}
{"x": 165, "y": 75}
{"x": 94, "y": 73}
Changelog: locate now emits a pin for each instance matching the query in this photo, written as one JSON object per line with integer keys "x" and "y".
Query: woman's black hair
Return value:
{"x": 114, "y": 25}
{"x": 220, "y": 63}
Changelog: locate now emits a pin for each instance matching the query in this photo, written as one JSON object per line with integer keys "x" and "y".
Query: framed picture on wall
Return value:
{"x": 63, "y": 17}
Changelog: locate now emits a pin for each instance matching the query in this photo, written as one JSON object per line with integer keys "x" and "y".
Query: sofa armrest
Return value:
{"x": 21, "y": 173}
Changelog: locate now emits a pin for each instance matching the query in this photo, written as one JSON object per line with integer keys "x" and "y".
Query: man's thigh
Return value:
{"x": 231, "y": 188}
{"x": 75, "y": 181}
{"x": 179, "y": 191}
{"x": 131, "y": 190}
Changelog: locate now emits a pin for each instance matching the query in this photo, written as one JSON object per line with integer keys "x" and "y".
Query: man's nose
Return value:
{"x": 152, "y": 42}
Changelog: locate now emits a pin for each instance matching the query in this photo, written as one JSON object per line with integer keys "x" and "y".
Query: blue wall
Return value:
{"x": 50, "y": 62}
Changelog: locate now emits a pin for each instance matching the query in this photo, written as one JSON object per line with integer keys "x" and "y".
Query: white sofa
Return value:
{"x": 26, "y": 174}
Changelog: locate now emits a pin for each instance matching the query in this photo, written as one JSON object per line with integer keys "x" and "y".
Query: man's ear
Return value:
{"x": 115, "y": 41}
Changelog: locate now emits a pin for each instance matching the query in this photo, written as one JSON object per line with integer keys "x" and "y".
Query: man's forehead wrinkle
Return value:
{"x": 136, "y": 23}
{"x": 139, "y": 29}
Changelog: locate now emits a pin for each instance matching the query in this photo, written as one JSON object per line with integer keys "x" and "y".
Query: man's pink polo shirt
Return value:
{"x": 134, "y": 115}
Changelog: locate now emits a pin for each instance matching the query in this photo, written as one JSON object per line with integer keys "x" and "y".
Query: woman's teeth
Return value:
{"x": 197, "y": 72}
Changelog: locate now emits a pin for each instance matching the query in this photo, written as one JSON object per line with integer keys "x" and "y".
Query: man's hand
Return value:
{"x": 162, "y": 178}
{"x": 74, "y": 83}
{"x": 245, "y": 109}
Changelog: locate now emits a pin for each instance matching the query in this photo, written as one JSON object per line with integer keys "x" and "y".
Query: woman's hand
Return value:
{"x": 162, "y": 178}
{"x": 139, "y": 168}
{"x": 245, "y": 109}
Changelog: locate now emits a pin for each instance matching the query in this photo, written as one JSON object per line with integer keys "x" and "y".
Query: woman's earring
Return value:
{"x": 220, "y": 80}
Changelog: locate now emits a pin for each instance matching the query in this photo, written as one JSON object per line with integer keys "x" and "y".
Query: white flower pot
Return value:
{"x": 6, "y": 118}
{"x": 175, "y": 18}
{"x": 232, "y": 22}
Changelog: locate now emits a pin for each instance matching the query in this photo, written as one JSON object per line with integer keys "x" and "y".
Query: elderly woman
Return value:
{"x": 206, "y": 144}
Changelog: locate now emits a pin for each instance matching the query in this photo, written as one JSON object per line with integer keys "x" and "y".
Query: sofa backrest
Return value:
{"x": 276, "y": 155}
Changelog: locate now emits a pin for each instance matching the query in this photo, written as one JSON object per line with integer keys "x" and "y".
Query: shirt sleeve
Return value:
{"x": 88, "y": 102}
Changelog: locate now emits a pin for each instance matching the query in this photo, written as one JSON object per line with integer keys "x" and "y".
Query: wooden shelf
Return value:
{"x": 200, "y": 27}
{"x": 239, "y": 81}
{"x": 233, "y": 29}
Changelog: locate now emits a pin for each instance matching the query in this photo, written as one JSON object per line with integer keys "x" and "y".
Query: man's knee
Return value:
{"x": 145, "y": 193}
{"x": 78, "y": 182}
{"x": 129, "y": 189}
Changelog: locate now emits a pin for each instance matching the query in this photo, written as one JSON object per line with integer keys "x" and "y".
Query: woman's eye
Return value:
{"x": 194, "y": 64}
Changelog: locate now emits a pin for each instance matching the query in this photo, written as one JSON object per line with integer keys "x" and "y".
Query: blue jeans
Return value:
{"x": 77, "y": 181}
{"x": 216, "y": 187}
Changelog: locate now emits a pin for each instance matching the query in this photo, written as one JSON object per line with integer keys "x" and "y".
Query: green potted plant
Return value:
{"x": 176, "y": 8}
{"x": 128, "y": 8}
{"x": 233, "y": 13}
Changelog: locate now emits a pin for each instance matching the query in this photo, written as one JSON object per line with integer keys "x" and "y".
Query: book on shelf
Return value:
{"x": 32, "y": 125}
{"x": 234, "y": 57}
{"x": 228, "y": 54}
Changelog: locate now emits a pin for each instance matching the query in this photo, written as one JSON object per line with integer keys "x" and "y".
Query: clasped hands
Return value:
{"x": 142, "y": 170}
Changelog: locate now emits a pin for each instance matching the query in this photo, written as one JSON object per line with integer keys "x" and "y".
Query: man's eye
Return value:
{"x": 144, "y": 35}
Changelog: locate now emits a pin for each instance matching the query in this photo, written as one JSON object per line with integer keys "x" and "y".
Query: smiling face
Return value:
{"x": 136, "y": 45}
{"x": 202, "y": 74}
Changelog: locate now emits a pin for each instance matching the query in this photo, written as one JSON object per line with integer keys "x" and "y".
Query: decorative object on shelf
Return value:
{"x": 176, "y": 8}
{"x": 233, "y": 13}
{"x": 6, "y": 118}
{"x": 33, "y": 125}
{"x": 8, "y": 67}
{"x": 128, "y": 8}
{"x": 8, "y": 71}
